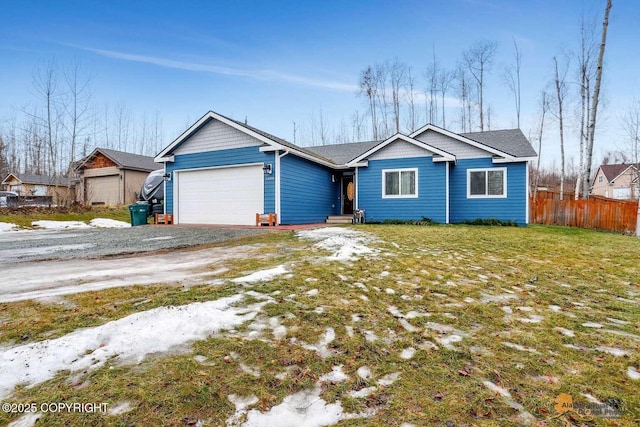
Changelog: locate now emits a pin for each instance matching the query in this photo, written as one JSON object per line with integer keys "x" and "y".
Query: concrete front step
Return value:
{"x": 339, "y": 219}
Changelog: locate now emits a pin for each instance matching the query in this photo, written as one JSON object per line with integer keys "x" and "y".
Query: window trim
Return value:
{"x": 400, "y": 196}
{"x": 486, "y": 195}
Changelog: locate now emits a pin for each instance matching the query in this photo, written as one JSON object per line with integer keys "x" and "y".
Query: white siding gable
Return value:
{"x": 216, "y": 136}
{"x": 459, "y": 149}
{"x": 400, "y": 150}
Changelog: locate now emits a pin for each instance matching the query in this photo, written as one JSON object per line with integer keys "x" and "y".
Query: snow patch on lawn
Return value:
{"x": 129, "y": 339}
{"x": 120, "y": 408}
{"x": 7, "y": 226}
{"x": 633, "y": 373}
{"x": 59, "y": 225}
{"x": 362, "y": 393}
{"x": 305, "y": 408}
{"x": 519, "y": 347}
{"x": 592, "y": 325}
{"x": 108, "y": 223}
{"x": 345, "y": 243}
{"x": 524, "y": 416}
{"x": 336, "y": 375}
{"x": 94, "y": 223}
{"x": 617, "y": 352}
{"x": 408, "y": 353}
{"x": 565, "y": 331}
{"x": 321, "y": 346}
{"x": 365, "y": 373}
{"x": 27, "y": 420}
{"x": 262, "y": 275}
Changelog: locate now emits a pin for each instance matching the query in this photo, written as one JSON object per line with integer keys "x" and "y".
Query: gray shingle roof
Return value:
{"x": 341, "y": 154}
{"x": 510, "y": 141}
{"x": 281, "y": 141}
{"x": 126, "y": 160}
{"x": 30, "y": 178}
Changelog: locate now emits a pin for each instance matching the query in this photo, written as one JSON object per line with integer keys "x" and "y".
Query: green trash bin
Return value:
{"x": 139, "y": 213}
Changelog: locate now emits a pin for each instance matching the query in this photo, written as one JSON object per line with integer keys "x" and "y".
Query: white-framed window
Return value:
{"x": 600, "y": 178}
{"x": 487, "y": 183}
{"x": 399, "y": 183}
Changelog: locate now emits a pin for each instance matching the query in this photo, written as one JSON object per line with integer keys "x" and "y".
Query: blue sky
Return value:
{"x": 276, "y": 62}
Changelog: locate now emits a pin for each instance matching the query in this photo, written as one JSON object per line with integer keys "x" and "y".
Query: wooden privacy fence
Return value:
{"x": 597, "y": 213}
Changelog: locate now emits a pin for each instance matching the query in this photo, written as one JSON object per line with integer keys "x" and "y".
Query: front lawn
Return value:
{"x": 438, "y": 325}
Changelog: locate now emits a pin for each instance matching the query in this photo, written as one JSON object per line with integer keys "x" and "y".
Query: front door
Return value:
{"x": 348, "y": 193}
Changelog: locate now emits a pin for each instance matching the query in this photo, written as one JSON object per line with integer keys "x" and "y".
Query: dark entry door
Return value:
{"x": 348, "y": 193}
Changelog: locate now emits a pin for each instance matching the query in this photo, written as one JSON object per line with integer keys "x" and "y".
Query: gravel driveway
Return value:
{"x": 38, "y": 245}
{"x": 41, "y": 264}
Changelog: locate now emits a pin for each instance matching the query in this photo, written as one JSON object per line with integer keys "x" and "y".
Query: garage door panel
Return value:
{"x": 220, "y": 196}
{"x": 103, "y": 190}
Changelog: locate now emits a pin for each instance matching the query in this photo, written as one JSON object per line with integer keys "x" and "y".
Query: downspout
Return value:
{"x": 446, "y": 196}
{"x": 278, "y": 207}
{"x": 527, "y": 207}
{"x": 355, "y": 201}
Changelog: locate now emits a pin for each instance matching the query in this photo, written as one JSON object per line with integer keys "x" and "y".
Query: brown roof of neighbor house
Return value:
{"x": 124, "y": 160}
{"x": 31, "y": 178}
{"x": 612, "y": 171}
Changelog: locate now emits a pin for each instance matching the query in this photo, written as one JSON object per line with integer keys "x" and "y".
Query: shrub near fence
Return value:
{"x": 597, "y": 213}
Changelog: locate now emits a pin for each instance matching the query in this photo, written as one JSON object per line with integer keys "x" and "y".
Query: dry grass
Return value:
{"x": 504, "y": 291}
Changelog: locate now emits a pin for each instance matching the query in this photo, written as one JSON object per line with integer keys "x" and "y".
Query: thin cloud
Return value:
{"x": 248, "y": 73}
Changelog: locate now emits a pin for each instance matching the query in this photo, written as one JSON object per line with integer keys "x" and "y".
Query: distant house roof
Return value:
{"x": 123, "y": 159}
{"x": 30, "y": 178}
{"x": 611, "y": 172}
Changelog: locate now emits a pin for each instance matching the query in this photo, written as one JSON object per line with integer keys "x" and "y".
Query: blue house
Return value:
{"x": 222, "y": 171}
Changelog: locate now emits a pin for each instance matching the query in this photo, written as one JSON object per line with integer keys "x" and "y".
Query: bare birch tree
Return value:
{"x": 512, "y": 78}
{"x": 445, "y": 78}
{"x": 76, "y": 105}
{"x": 431, "y": 77}
{"x": 586, "y": 71}
{"x": 411, "y": 102}
{"x": 591, "y": 128}
{"x": 478, "y": 59}
{"x": 544, "y": 107}
{"x": 465, "y": 99}
{"x": 560, "y": 85}
{"x": 369, "y": 87}
{"x": 398, "y": 78}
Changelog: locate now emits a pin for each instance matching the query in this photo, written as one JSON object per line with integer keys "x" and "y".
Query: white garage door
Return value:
{"x": 219, "y": 196}
{"x": 103, "y": 190}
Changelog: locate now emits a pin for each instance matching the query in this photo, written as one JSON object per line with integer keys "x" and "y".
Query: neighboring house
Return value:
{"x": 222, "y": 171}
{"x": 110, "y": 177}
{"x": 616, "y": 182}
{"x": 32, "y": 185}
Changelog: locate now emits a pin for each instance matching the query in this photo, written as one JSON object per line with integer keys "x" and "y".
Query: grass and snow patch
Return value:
{"x": 129, "y": 339}
{"x": 345, "y": 243}
{"x": 94, "y": 223}
{"x": 262, "y": 275}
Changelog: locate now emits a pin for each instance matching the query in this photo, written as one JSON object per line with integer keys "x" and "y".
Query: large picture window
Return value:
{"x": 487, "y": 183}
{"x": 400, "y": 183}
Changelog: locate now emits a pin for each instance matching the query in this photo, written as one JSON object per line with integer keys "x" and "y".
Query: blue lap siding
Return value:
{"x": 511, "y": 208}
{"x": 234, "y": 156}
{"x": 307, "y": 193}
{"x": 431, "y": 200}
